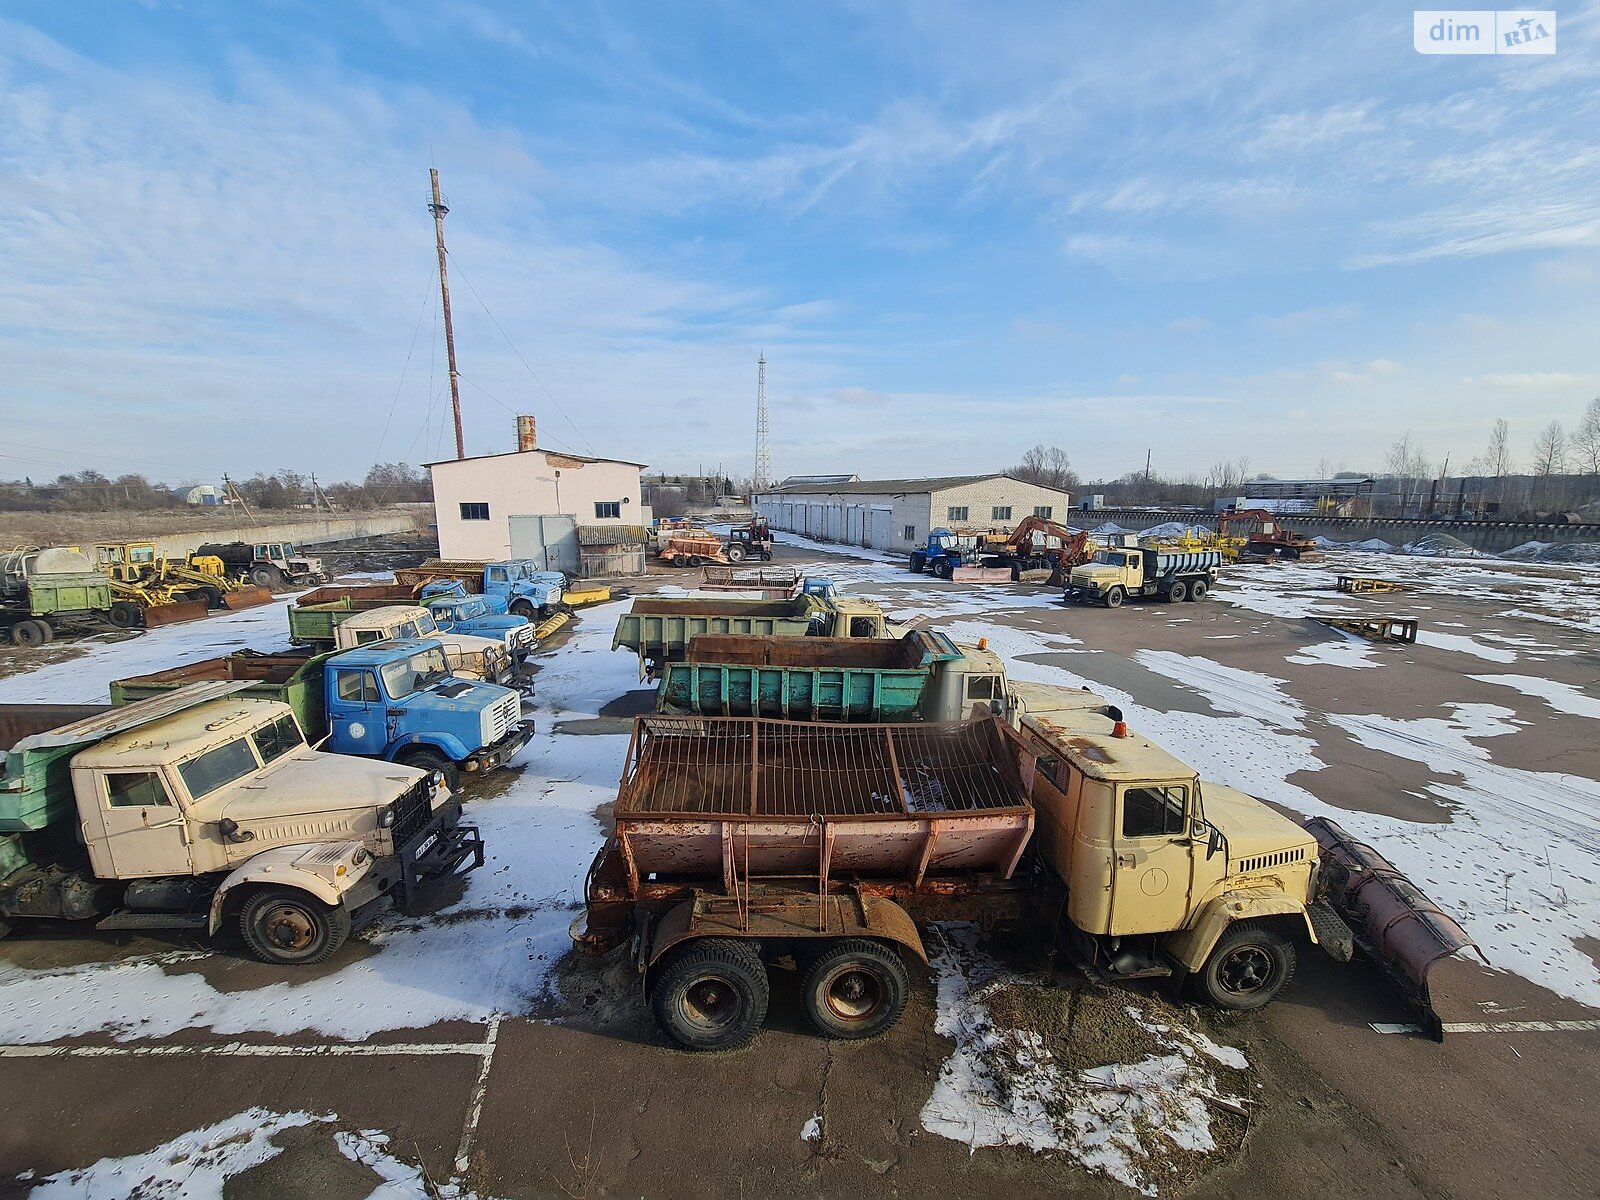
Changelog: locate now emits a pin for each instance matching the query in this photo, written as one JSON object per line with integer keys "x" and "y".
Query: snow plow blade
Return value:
{"x": 246, "y": 597}
{"x": 550, "y": 624}
{"x": 158, "y": 615}
{"x": 981, "y": 575}
{"x": 1395, "y": 925}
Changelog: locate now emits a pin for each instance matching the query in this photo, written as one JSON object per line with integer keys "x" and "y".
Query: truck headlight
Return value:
{"x": 386, "y": 818}
{"x": 435, "y": 782}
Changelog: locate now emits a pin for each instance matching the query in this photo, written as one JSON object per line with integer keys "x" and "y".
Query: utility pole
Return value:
{"x": 763, "y": 476}
{"x": 1147, "y": 468}
{"x": 438, "y": 208}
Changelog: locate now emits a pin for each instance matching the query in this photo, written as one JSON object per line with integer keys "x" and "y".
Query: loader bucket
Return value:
{"x": 171, "y": 614}
{"x": 246, "y": 597}
{"x": 1397, "y": 926}
{"x": 981, "y": 575}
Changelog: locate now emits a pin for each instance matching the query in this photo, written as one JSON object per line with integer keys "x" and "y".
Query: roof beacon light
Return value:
{"x": 1120, "y": 729}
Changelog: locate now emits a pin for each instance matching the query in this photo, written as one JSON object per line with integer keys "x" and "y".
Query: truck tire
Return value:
{"x": 125, "y": 614}
{"x": 1250, "y": 965}
{"x": 711, "y": 994}
{"x": 1115, "y": 597}
{"x": 522, "y": 608}
{"x": 288, "y": 927}
{"x": 269, "y": 577}
{"x": 430, "y": 761}
{"x": 943, "y": 568}
{"x": 1198, "y": 590}
{"x": 918, "y": 562}
{"x": 735, "y": 552}
{"x": 856, "y": 989}
{"x": 30, "y": 634}
{"x": 1178, "y": 592}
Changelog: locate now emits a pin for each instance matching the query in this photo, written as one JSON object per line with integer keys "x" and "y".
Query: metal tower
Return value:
{"x": 763, "y": 475}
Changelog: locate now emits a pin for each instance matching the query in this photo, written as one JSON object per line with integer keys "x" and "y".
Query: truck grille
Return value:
{"x": 503, "y": 716}
{"x": 412, "y": 812}
{"x": 1277, "y": 859}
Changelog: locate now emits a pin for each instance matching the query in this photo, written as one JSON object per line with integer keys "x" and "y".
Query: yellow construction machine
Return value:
{"x": 151, "y": 589}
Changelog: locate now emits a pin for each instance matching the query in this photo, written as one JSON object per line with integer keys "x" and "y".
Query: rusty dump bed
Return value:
{"x": 243, "y": 664}
{"x": 18, "y": 721}
{"x": 753, "y": 769}
{"x": 865, "y": 654}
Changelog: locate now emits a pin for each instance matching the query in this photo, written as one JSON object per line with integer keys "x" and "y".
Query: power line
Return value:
{"x": 520, "y": 359}
{"x": 512, "y": 411}
{"x": 393, "y": 404}
{"x": 80, "y": 454}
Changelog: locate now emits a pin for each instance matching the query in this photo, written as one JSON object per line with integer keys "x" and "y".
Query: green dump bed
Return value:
{"x": 294, "y": 679}
{"x": 661, "y": 627}
{"x": 314, "y": 624}
{"x": 806, "y": 678}
{"x": 68, "y": 594}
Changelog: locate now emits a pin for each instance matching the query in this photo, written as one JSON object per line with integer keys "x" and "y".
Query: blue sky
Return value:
{"x": 1269, "y": 231}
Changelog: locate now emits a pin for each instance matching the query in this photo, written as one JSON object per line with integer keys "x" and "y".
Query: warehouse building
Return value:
{"x": 532, "y": 503}
{"x": 896, "y": 514}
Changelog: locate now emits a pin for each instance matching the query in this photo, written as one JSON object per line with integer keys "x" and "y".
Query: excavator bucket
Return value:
{"x": 1395, "y": 925}
{"x": 157, "y": 615}
{"x": 246, "y": 597}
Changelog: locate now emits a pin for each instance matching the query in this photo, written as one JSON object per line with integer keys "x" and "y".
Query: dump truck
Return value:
{"x": 472, "y": 616}
{"x": 514, "y": 585}
{"x": 341, "y": 624}
{"x": 659, "y": 628}
{"x": 923, "y": 676}
{"x": 200, "y": 808}
{"x": 395, "y": 700}
{"x": 1119, "y": 573}
{"x": 50, "y": 590}
{"x": 742, "y": 840}
{"x": 272, "y": 565}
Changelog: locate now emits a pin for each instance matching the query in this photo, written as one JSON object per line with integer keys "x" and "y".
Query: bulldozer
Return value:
{"x": 149, "y": 589}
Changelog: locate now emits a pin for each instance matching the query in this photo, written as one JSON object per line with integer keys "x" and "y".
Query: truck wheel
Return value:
{"x": 711, "y": 994}
{"x": 917, "y": 563}
{"x": 30, "y": 633}
{"x": 943, "y": 569}
{"x": 1198, "y": 590}
{"x": 292, "y": 928}
{"x": 857, "y": 989}
{"x": 426, "y": 760}
{"x": 1114, "y": 598}
{"x": 1250, "y": 965}
{"x": 1178, "y": 592}
{"x": 125, "y": 615}
{"x": 696, "y": 561}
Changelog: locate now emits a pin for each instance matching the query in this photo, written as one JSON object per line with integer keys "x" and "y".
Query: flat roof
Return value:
{"x": 588, "y": 458}
{"x": 876, "y": 487}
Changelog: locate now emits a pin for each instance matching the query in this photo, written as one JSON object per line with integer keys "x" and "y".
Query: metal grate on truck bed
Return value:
{"x": 758, "y": 768}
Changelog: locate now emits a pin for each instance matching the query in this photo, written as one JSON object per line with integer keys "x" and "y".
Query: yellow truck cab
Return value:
{"x": 1165, "y": 874}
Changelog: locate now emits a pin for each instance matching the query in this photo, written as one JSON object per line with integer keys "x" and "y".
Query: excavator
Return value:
{"x": 1263, "y": 536}
{"x": 1035, "y": 544}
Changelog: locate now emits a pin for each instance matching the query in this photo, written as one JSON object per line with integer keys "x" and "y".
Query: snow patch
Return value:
{"x": 1562, "y": 697}
{"x": 1347, "y": 652}
{"x": 1466, "y": 645}
{"x": 811, "y": 1131}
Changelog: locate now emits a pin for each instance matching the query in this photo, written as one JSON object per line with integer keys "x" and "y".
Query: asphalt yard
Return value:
{"x": 468, "y": 1052}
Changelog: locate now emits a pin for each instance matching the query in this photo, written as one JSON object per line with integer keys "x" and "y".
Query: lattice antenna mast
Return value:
{"x": 763, "y": 475}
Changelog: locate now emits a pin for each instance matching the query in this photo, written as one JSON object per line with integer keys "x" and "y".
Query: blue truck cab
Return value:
{"x": 473, "y": 615}
{"x": 946, "y": 550}
{"x": 523, "y": 588}
{"x": 454, "y": 589}
{"x": 397, "y": 700}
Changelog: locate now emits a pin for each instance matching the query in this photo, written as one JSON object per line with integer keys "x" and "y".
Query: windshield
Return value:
{"x": 275, "y": 740}
{"x": 217, "y": 768}
{"x": 1112, "y": 558}
{"x": 425, "y": 625}
{"x": 412, "y": 674}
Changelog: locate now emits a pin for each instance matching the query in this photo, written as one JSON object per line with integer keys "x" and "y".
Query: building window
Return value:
{"x": 954, "y": 513}
{"x": 1043, "y": 510}
{"x": 1002, "y": 512}
{"x": 474, "y": 512}
{"x": 607, "y": 509}
{"x": 911, "y": 533}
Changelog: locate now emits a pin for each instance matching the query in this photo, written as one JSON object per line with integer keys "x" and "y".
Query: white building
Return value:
{"x": 896, "y": 514}
{"x": 529, "y": 502}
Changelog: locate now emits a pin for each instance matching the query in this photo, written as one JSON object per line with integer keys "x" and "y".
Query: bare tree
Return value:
{"x": 1407, "y": 465}
{"x": 1549, "y": 461}
{"x": 1585, "y": 441}
{"x": 1324, "y": 468}
{"x": 1047, "y": 467}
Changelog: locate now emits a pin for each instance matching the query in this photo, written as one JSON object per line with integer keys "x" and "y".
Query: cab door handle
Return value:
{"x": 1125, "y": 860}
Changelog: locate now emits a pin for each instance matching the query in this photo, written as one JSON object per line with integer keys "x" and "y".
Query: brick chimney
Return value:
{"x": 527, "y": 439}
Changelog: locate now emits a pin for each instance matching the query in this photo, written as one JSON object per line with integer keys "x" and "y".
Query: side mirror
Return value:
{"x": 1215, "y": 843}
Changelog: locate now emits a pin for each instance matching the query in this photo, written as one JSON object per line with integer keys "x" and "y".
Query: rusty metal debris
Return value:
{"x": 1376, "y": 629}
{"x": 1363, "y": 585}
